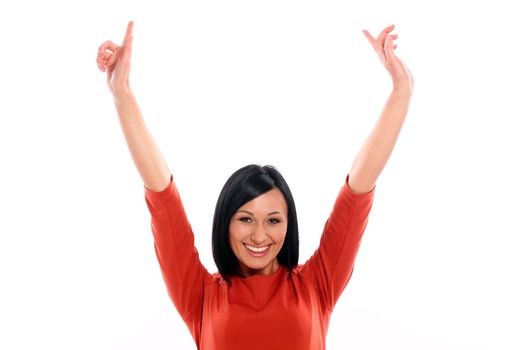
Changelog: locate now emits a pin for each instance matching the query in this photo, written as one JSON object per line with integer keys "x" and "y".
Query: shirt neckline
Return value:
{"x": 277, "y": 272}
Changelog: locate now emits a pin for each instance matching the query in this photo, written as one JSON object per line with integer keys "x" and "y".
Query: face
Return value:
{"x": 257, "y": 232}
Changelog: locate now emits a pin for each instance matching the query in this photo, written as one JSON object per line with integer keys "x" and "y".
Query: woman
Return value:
{"x": 260, "y": 298}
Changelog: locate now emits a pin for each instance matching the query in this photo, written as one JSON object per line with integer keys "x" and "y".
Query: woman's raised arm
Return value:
{"x": 377, "y": 148}
{"x": 184, "y": 275}
{"x": 150, "y": 163}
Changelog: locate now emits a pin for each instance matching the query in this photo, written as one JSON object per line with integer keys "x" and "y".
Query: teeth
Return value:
{"x": 257, "y": 250}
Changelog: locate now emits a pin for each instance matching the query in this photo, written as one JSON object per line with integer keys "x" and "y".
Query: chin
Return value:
{"x": 256, "y": 263}
{"x": 259, "y": 265}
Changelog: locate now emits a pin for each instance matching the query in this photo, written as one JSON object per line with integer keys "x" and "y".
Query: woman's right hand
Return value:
{"x": 116, "y": 60}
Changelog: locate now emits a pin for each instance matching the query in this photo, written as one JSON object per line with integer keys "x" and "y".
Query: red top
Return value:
{"x": 285, "y": 310}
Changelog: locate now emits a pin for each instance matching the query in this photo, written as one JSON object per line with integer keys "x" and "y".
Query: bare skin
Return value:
{"x": 366, "y": 168}
{"x": 115, "y": 60}
{"x": 260, "y": 223}
{"x": 376, "y": 150}
{"x": 384, "y": 46}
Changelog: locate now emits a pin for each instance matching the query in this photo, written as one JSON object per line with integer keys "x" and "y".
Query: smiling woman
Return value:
{"x": 255, "y": 225}
{"x": 256, "y": 239}
{"x": 259, "y": 289}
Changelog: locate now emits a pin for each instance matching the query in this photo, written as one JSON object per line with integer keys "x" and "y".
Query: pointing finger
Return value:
{"x": 129, "y": 33}
{"x": 126, "y": 50}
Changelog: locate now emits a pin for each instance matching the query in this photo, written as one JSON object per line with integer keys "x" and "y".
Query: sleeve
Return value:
{"x": 332, "y": 264}
{"x": 183, "y": 273}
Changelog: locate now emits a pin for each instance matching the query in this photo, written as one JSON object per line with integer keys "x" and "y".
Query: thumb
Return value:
{"x": 369, "y": 37}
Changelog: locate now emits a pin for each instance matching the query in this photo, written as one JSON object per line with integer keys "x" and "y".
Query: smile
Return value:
{"x": 258, "y": 252}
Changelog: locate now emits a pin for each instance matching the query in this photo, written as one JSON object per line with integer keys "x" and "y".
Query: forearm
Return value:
{"x": 147, "y": 157}
{"x": 375, "y": 152}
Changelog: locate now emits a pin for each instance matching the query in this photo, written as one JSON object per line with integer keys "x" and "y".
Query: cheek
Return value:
{"x": 237, "y": 232}
{"x": 279, "y": 234}
{"x": 282, "y": 236}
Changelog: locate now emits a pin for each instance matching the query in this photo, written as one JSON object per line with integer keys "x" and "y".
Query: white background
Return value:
{"x": 295, "y": 84}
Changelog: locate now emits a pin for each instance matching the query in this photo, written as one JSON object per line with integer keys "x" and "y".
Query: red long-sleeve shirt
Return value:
{"x": 279, "y": 311}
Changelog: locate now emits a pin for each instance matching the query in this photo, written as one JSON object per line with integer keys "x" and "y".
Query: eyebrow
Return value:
{"x": 249, "y": 212}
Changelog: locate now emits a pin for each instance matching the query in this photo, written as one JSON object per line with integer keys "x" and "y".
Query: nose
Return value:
{"x": 258, "y": 235}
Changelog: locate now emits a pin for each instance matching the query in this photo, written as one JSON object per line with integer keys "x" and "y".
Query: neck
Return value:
{"x": 245, "y": 271}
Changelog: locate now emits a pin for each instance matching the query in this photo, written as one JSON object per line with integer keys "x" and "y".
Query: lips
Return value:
{"x": 257, "y": 251}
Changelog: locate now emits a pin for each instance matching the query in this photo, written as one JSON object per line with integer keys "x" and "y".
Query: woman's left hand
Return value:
{"x": 384, "y": 47}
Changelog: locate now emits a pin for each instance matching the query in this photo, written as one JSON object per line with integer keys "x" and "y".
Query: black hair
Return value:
{"x": 241, "y": 187}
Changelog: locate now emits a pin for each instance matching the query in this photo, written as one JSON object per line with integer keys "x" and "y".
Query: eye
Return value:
{"x": 273, "y": 220}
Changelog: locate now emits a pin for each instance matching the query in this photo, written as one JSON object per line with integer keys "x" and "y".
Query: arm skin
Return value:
{"x": 116, "y": 61}
{"x": 367, "y": 166}
{"x": 377, "y": 148}
{"x": 147, "y": 157}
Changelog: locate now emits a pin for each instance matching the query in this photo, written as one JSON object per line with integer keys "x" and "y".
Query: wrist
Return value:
{"x": 402, "y": 89}
{"x": 403, "y": 85}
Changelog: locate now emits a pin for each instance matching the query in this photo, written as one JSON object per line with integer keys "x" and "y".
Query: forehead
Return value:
{"x": 272, "y": 199}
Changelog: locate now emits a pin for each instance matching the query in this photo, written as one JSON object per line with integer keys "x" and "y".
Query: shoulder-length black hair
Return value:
{"x": 242, "y": 186}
